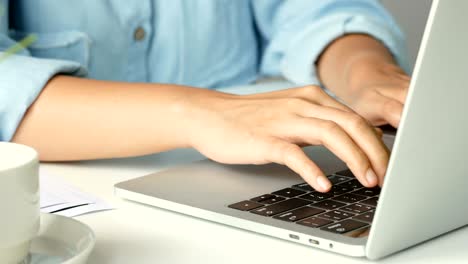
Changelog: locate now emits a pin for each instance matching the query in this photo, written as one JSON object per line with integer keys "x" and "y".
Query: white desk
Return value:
{"x": 135, "y": 233}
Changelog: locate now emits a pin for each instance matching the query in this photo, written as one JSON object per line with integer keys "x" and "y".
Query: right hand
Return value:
{"x": 271, "y": 127}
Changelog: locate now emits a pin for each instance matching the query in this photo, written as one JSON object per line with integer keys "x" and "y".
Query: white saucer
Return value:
{"x": 61, "y": 240}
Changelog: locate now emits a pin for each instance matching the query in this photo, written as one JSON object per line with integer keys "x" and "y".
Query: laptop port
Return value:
{"x": 294, "y": 236}
{"x": 313, "y": 241}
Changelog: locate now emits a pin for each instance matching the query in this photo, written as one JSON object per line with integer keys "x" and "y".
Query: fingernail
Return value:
{"x": 371, "y": 177}
{"x": 323, "y": 183}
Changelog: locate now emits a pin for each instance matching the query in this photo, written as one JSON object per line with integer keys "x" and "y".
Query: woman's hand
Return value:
{"x": 271, "y": 127}
{"x": 77, "y": 119}
{"x": 377, "y": 91}
{"x": 362, "y": 72}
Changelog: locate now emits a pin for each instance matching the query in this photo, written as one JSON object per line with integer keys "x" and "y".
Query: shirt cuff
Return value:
{"x": 298, "y": 65}
{"x": 22, "y": 79}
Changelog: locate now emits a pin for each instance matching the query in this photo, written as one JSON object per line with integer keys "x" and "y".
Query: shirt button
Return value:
{"x": 139, "y": 34}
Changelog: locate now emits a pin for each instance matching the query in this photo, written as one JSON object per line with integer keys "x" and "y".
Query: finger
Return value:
{"x": 384, "y": 110}
{"x": 379, "y": 132}
{"x": 294, "y": 157}
{"x": 397, "y": 93}
{"x": 402, "y": 75}
{"x": 329, "y": 134}
{"x": 390, "y": 110}
{"x": 365, "y": 136}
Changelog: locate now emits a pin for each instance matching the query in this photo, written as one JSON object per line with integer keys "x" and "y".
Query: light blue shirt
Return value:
{"x": 203, "y": 43}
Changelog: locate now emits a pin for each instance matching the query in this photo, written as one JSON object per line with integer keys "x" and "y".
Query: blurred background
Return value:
{"x": 412, "y": 17}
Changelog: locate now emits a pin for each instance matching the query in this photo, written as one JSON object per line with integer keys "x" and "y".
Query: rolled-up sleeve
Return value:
{"x": 295, "y": 33}
{"x": 22, "y": 78}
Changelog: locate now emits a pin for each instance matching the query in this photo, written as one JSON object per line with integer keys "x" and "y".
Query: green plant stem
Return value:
{"x": 24, "y": 43}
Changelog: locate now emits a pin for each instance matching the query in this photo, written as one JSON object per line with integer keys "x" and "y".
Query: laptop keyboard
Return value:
{"x": 348, "y": 206}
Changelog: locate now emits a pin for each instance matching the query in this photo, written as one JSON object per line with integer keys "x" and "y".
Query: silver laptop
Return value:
{"x": 425, "y": 191}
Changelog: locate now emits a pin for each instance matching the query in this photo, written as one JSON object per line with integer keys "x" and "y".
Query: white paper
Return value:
{"x": 80, "y": 210}
{"x": 62, "y": 206}
{"x": 59, "y": 197}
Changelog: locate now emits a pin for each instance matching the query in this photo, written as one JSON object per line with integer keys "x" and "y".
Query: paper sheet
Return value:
{"x": 59, "y": 197}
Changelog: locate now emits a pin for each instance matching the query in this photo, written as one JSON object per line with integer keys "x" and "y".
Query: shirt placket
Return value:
{"x": 139, "y": 34}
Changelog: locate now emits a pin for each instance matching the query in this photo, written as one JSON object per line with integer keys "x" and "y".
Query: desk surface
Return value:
{"x": 135, "y": 233}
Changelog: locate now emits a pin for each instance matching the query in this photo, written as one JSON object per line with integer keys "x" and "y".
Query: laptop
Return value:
{"x": 424, "y": 194}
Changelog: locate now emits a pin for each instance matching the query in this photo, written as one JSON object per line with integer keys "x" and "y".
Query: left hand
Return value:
{"x": 378, "y": 92}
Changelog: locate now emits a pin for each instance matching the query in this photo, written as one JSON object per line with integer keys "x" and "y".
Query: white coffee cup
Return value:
{"x": 19, "y": 201}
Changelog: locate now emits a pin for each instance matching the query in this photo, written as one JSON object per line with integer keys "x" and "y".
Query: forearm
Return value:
{"x": 76, "y": 119}
{"x": 350, "y": 60}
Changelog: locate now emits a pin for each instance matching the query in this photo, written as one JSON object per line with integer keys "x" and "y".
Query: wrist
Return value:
{"x": 349, "y": 60}
{"x": 177, "y": 114}
{"x": 198, "y": 111}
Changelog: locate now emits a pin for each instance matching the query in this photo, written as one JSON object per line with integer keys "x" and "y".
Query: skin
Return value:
{"x": 371, "y": 83}
{"x": 78, "y": 119}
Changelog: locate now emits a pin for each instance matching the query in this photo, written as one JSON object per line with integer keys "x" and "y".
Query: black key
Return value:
{"x": 346, "y": 173}
{"x": 353, "y": 184}
{"x": 368, "y": 191}
{"x": 371, "y": 201}
{"x": 344, "y": 226}
{"x": 289, "y": 192}
{"x": 280, "y": 207}
{"x": 274, "y": 200}
{"x": 357, "y": 208}
{"x": 262, "y": 198}
{"x": 316, "y": 196}
{"x": 349, "y": 198}
{"x": 314, "y": 222}
{"x": 304, "y": 186}
{"x": 329, "y": 205}
{"x": 245, "y": 205}
{"x": 339, "y": 190}
{"x": 366, "y": 217}
{"x": 336, "y": 215}
{"x": 335, "y": 179}
{"x": 298, "y": 214}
